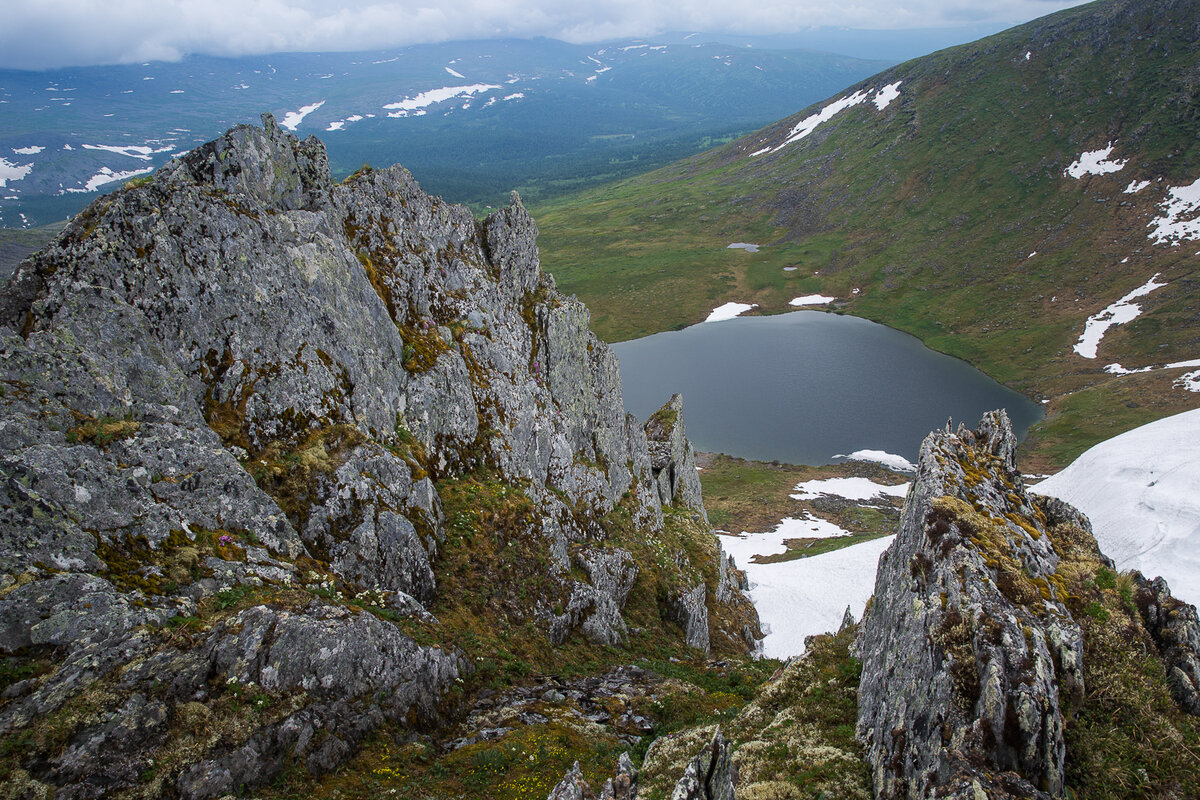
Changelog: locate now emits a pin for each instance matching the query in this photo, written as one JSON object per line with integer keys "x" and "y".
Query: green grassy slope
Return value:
{"x": 924, "y": 215}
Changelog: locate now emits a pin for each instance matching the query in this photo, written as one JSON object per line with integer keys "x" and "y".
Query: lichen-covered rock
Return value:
{"x": 229, "y": 399}
{"x": 623, "y": 786}
{"x": 672, "y": 458}
{"x": 1175, "y": 628}
{"x": 710, "y": 775}
{"x": 969, "y": 651}
{"x": 689, "y": 610}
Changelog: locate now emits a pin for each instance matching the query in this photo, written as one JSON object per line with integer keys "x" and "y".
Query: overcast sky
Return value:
{"x": 36, "y": 34}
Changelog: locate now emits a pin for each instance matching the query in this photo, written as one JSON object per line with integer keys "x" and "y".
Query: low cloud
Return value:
{"x": 40, "y": 34}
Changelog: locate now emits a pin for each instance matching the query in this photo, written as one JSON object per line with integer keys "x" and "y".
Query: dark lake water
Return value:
{"x": 806, "y": 386}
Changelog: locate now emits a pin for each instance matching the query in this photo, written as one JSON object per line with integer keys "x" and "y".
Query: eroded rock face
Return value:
{"x": 672, "y": 458}
{"x": 1175, "y": 628}
{"x": 969, "y": 651}
{"x": 227, "y": 397}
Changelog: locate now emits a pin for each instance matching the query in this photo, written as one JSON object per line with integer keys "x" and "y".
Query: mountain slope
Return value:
{"x": 940, "y": 197}
{"x": 472, "y": 120}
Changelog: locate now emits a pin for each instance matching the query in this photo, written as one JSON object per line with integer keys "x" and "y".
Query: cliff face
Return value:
{"x": 233, "y": 402}
{"x": 1000, "y": 639}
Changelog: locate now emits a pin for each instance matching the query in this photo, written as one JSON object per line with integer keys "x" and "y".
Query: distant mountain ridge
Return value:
{"x": 471, "y": 119}
{"x": 1027, "y": 202}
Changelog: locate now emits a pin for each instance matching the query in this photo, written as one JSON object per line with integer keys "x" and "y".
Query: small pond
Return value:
{"x": 807, "y": 386}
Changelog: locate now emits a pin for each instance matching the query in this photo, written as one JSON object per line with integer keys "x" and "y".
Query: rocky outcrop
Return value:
{"x": 623, "y": 786}
{"x": 969, "y": 651}
{"x": 672, "y": 458}
{"x": 227, "y": 400}
{"x": 710, "y": 775}
{"x": 1175, "y": 629}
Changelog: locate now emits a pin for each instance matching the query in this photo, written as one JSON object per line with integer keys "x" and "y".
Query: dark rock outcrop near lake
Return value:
{"x": 233, "y": 400}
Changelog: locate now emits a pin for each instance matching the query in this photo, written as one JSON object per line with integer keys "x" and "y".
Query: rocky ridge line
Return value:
{"x": 974, "y": 644}
{"x": 231, "y": 397}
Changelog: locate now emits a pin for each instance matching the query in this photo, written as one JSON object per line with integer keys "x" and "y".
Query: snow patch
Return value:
{"x": 1141, "y": 491}
{"x": 338, "y": 125}
{"x": 104, "y": 177}
{"x": 848, "y": 488}
{"x": 808, "y": 596}
{"x": 13, "y": 172}
{"x": 292, "y": 119}
{"x": 139, "y": 151}
{"x": 1188, "y": 381}
{"x": 416, "y": 105}
{"x": 28, "y": 151}
{"x": 813, "y": 121}
{"x": 455, "y": 74}
{"x": 884, "y": 97}
{"x": 1117, "y": 369}
{"x": 1118, "y": 313}
{"x": 749, "y": 248}
{"x": 1180, "y": 218}
{"x": 1136, "y": 186}
{"x": 890, "y": 460}
{"x": 729, "y": 311}
{"x": 811, "y": 300}
{"x": 1095, "y": 162}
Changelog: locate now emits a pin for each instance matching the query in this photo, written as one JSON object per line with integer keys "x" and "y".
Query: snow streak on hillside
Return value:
{"x": 1120, "y": 312}
{"x": 1095, "y": 162}
{"x": 882, "y": 99}
{"x": 1141, "y": 491}
{"x": 1180, "y": 219}
{"x": 415, "y": 106}
{"x": 292, "y": 119}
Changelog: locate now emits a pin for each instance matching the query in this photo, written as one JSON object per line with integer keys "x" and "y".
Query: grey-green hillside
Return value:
{"x": 947, "y": 212}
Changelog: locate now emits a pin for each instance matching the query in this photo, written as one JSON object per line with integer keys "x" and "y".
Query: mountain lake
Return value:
{"x": 808, "y": 386}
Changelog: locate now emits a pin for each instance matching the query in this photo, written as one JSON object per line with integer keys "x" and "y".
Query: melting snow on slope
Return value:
{"x": 415, "y": 106}
{"x": 106, "y": 176}
{"x": 849, "y": 488}
{"x": 292, "y": 119}
{"x": 811, "y": 300}
{"x": 28, "y": 151}
{"x": 1141, "y": 491}
{"x": 139, "y": 151}
{"x": 341, "y": 123}
{"x": 13, "y": 172}
{"x": 455, "y": 74}
{"x": 749, "y": 248}
{"x": 1188, "y": 381}
{"x": 1118, "y": 313}
{"x": 881, "y": 457}
{"x": 794, "y": 598}
{"x": 1095, "y": 162}
{"x": 886, "y": 95}
{"x": 729, "y": 311}
{"x": 1180, "y": 218}
{"x": 1136, "y": 186}
{"x": 883, "y": 97}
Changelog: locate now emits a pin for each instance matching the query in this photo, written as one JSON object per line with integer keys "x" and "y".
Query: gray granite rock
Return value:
{"x": 966, "y": 663}
{"x": 710, "y": 775}
{"x": 673, "y": 459}
{"x": 225, "y": 398}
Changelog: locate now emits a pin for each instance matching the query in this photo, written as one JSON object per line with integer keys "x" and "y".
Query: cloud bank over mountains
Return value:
{"x": 39, "y": 34}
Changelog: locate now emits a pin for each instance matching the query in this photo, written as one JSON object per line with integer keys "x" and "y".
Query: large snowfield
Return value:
{"x": 1141, "y": 491}
{"x": 808, "y": 596}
